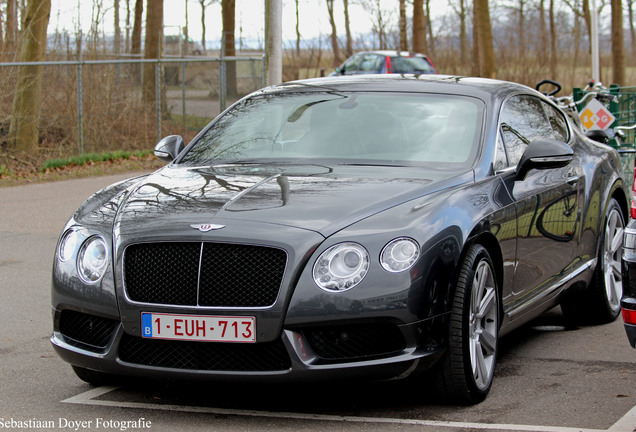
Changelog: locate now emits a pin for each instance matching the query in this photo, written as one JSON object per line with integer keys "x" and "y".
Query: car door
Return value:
{"x": 548, "y": 204}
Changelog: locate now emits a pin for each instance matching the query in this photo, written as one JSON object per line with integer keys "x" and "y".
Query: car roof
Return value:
{"x": 392, "y": 53}
{"x": 483, "y": 88}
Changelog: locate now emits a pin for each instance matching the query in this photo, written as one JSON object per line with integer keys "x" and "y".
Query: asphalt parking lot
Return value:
{"x": 549, "y": 377}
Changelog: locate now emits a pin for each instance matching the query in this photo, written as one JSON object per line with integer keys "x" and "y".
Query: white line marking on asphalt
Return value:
{"x": 626, "y": 424}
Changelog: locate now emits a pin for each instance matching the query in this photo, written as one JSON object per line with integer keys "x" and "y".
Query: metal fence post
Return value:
{"x": 158, "y": 98}
{"x": 183, "y": 95}
{"x": 80, "y": 110}
{"x": 222, "y": 76}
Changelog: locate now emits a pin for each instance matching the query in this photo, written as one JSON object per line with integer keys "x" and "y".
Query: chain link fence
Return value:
{"x": 96, "y": 106}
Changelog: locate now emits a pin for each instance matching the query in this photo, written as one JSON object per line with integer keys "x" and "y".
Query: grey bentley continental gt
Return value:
{"x": 368, "y": 227}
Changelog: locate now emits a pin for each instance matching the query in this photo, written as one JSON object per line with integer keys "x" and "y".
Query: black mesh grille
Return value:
{"x": 86, "y": 329}
{"x": 258, "y": 357}
{"x": 229, "y": 275}
{"x": 344, "y": 343}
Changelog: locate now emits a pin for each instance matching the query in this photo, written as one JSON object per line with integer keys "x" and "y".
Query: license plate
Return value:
{"x": 206, "y": 328}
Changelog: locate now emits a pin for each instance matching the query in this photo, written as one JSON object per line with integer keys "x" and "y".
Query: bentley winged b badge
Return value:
{"x": 207, "y": 227}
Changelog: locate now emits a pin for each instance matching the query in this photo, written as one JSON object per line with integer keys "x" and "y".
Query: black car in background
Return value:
{"x": 628, "y": 301}
{"x": 386, "y": 62}
{"x": 376, "y": 227}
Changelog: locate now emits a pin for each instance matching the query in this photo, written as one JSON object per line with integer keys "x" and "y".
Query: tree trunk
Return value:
{"x": 117, "y": 28}
{"x": 349, "y": 47}
{"x": 463, "y": 38}
{"x": 553, "y": 43}
{"x": 632, "y": 29}
{"x": 404, "y": 43}
{"x": 203, "y": 6}
{"x": 127, "y": 42}
{"x": 618, "y": 43}
{"x": 11, "y": 38}
{"x": 476, "y": 63}
{"x": 334, "y": 34}
{"x": 543, "y": 33}
{"x": 228, "y": 8}
{"x": 419, "y": 27}
{"x": 25, "y": 117}
{"x": 429, "y": 29}
{"x": 136, "y": 34}
{"x": 486, "y": 45}
{"x": 297, "y": 30}
{"x": 152, "y": 50}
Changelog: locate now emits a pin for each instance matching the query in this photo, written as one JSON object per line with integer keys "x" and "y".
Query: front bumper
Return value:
{"x": 102, "y": 344}
{"x": 628, "y": 302}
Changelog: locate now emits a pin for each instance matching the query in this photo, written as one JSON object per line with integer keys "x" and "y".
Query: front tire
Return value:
{"x": 466, "y": 372}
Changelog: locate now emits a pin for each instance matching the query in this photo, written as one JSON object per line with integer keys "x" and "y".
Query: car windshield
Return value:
{"x": 351, "y": 128}
{"x": 411, "y": 65}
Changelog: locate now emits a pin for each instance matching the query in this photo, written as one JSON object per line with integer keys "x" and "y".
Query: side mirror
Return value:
{"x": 544, "y": 154}
{"x": 169, "y": 148}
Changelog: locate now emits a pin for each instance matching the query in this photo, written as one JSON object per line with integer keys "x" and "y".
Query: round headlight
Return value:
{"x": 341, "y": 267}
{"x": 399, "y": 254}
{"x": 92, "y": 259}
{"x": 68, "y": 245}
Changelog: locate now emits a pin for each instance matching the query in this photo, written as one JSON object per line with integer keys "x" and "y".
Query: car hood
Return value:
{"x": 319, "y": 198}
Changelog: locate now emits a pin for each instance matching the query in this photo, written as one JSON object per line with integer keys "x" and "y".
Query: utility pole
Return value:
{"x": 273, "y": 42}
{"x": 596, "y": 69}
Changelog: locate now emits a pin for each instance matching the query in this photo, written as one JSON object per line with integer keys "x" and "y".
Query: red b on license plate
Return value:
{"x": 206, "y": 328}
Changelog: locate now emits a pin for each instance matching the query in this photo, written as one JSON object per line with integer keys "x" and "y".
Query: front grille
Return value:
{"x": 94, "y": 331}
{"x": 203, "y": 274}
{"x": 355, "y": 342}
{"x": 209, "y": 356}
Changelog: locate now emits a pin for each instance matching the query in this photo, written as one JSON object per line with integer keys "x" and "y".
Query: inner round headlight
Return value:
{"x": 92, "y": 259}
{"x": 400, "y": 254}
{"x": 341, "y": 267}
{"x": 68, "y": 245}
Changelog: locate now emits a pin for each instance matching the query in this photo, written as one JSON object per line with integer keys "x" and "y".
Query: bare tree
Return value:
{"x": 127, "y": 41}
{"x": 618, "y": 43}
{"x": 404, "y": 43}
{"x": 419, "y": 27}
{"x": 117, "y": 28}
{"x": 11, "y": 27}
{"x": 25, "y": 116}
{"x": 553, "y": 41}
{"x": 461, "y": 11}
{"x": 334, "y": 34}
{"x": 484, "y": 43}
{"x": 228, "y": 9}
{"x": 349, "y": 42}
{"x": 204, "y": 4}
{"x": 152, "y": 49}
{"x": 135, "y": 47}
{"x": 632, "y": 29}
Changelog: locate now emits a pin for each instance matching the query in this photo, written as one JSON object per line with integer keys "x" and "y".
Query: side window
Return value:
{"x": 522, "y": 121}
{"x": 353, "y": 64}
{"x": 500, "y": 156}
{"x": 370, "y": 63}
{"x": 558, "y": 122}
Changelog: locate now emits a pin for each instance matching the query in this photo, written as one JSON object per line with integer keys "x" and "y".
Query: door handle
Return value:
{"x": 573, "y": 180}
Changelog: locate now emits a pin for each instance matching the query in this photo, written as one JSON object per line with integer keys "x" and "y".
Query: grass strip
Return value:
{"x": 88, "y": 158}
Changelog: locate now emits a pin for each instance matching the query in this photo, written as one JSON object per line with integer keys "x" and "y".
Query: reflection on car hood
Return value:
{"x": 318, "y": 198}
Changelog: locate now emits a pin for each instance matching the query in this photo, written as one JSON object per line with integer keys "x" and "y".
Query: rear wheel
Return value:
{"x": 466, "y": 372}
{"x": 601, "y": 303}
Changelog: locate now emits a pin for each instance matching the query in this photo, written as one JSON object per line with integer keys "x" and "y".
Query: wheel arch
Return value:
{"x": 488, "y": 240}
